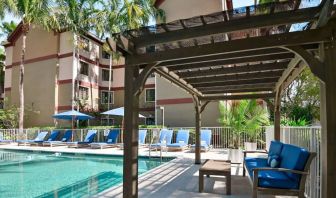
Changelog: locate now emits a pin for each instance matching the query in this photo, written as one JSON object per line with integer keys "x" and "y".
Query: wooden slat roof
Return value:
{"x": 241, "y": 51}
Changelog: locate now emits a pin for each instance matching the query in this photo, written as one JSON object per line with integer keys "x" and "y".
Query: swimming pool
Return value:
{"x": 31, "y": 174}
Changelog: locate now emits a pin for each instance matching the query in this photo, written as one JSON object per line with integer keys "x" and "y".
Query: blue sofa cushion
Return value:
{"x": 275, "y": 148}
{"x": 293, "y": 157}
{"x": 276, "y": 179}
{"x": 273, "y": 161}
{"x": 269, "y": 179}
{"x": 252, "y": 163}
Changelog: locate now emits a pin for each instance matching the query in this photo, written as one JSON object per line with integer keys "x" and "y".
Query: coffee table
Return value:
{"x": 216, "y": 167}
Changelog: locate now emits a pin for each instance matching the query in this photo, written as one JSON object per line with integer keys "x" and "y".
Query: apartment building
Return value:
{"x": 174, "y": 106}
{"x": 51, "y": 76}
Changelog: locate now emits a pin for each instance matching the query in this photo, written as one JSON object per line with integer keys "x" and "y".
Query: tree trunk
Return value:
{"x": 21, "y": 92}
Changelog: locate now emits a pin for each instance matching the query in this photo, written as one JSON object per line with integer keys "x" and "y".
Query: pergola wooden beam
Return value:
{"x": 227, "y": 47}
{"x": 235, "y": 70}
{"x": 273, "y": 57}
{"x": 238, "y": 87}
{"x": 237, "y": 97}
{"x": 236, "y": 77}
{"x": 241, "y": 82}
{"x": 244, "y": 54}
{"x": 251, "y": 22}
{"x": 221, "y": 91}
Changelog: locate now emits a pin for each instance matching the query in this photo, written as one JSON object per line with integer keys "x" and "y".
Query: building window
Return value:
{"x": 83, "y": 93}
{"x": 105, "y": 97}
{"x": 106, "y": 74}
{"x": 107, "y": 121}
{"x": 150, "y": 121}
{"x": 85, "y": 44}
{"x": 150, "y": 95}
{"x": 84, "y": 68}
{"x": 105, "y": 54}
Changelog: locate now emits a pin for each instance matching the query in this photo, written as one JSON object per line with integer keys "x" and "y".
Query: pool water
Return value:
{"x": 31, "y": 174}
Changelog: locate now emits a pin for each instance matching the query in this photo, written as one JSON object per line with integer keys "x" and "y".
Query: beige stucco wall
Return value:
{"x": 66, "y": 42}
{"x": 182, "y": 115}
{"x": 177, "y": 9}
{"x": 39, "y": 43}
{"x": 39, "y": 89}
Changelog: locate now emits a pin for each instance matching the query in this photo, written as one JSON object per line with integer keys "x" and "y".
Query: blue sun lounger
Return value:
{"x": 66, "y": 137}
{"x": 111, "y": 140}
{"x": 182, "y": 140}
{"x": 53, "y": 136}
{"x": 2, "y": 141}
{"x": 164, "y": 139}
{"x": 142, "y": 137}
{"x": 87, "y": 141}
{"x": 40, "y": 137}
{"x": 205, "y": 140}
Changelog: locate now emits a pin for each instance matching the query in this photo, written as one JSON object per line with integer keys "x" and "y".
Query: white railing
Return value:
{"x": 222, "y": 137}
{"x": 309, "y": 138}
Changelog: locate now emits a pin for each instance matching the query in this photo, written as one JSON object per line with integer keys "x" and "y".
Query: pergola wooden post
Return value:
{"x": 203, "y": 56}
{"x": 328, "y": 119}
{"x": 197, "y": 104}
{"x": 277, "y": 116}
{"x": 130, "y": 138}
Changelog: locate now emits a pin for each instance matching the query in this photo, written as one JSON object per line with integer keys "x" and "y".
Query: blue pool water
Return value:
{"x": 31, "y": 174}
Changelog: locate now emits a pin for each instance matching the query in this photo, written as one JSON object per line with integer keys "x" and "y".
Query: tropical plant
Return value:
{"x": 9, "y": 117}
{"x": 7, "y": 28}
{"x": 245, "y": 116}
{"x": 38, "y": 12}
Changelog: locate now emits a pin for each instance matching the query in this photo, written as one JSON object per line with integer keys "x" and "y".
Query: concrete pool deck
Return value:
{"x": 176, "y": 178}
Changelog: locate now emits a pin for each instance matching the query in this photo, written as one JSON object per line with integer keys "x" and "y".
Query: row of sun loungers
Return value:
{"x": 164, "y": 140}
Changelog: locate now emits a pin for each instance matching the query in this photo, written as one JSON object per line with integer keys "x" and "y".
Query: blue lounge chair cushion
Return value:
{"x": 252, "y": 163}
{"x": 167, "y": 135}
{"x": 142, "y": 136}
{"x": 182, "y": 139}
{"x": 205, "y": 139}
{"x": 112, "y": 137}
{"x": 295, "y": 158}
{"x": 275, "y": 148}
{"x": 89, "y": 137}
{"x": 41, "y": 136}
{"x": 67, "y": 136}
{"x": 53, "y": 136}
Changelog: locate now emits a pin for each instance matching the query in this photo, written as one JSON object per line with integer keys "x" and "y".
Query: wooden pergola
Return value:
{"x": 238, "y": 54}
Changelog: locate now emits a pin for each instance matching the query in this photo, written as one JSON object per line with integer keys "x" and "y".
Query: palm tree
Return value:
{"x": 30, "y": 12}
{"x": 245, "y": 116}
{"x": 78, "y": 17}
{"x": 7, "y": 28}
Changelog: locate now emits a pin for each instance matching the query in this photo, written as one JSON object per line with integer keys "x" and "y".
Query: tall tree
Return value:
{"x": 7, "y": 28}
{"x": 78, "y": 17}
{"x": 30, "y": 12}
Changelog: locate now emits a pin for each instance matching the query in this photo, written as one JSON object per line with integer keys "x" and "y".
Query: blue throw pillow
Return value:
{"x": 273, "y": 161}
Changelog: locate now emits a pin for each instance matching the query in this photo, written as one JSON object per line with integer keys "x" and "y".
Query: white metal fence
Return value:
{"x": 309, "y": 138}
{"x": 222, "y": 137}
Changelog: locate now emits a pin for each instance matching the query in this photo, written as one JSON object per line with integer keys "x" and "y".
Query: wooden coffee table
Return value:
{"x": 216, "y": 167}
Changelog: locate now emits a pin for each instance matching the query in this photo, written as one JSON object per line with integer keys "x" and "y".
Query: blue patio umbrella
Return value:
{"x": 118, "y": 112}
{"x": 72, "y": 115}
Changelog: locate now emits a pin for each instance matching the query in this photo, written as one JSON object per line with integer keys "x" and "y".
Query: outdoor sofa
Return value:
{"x": 283, "y": 172}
